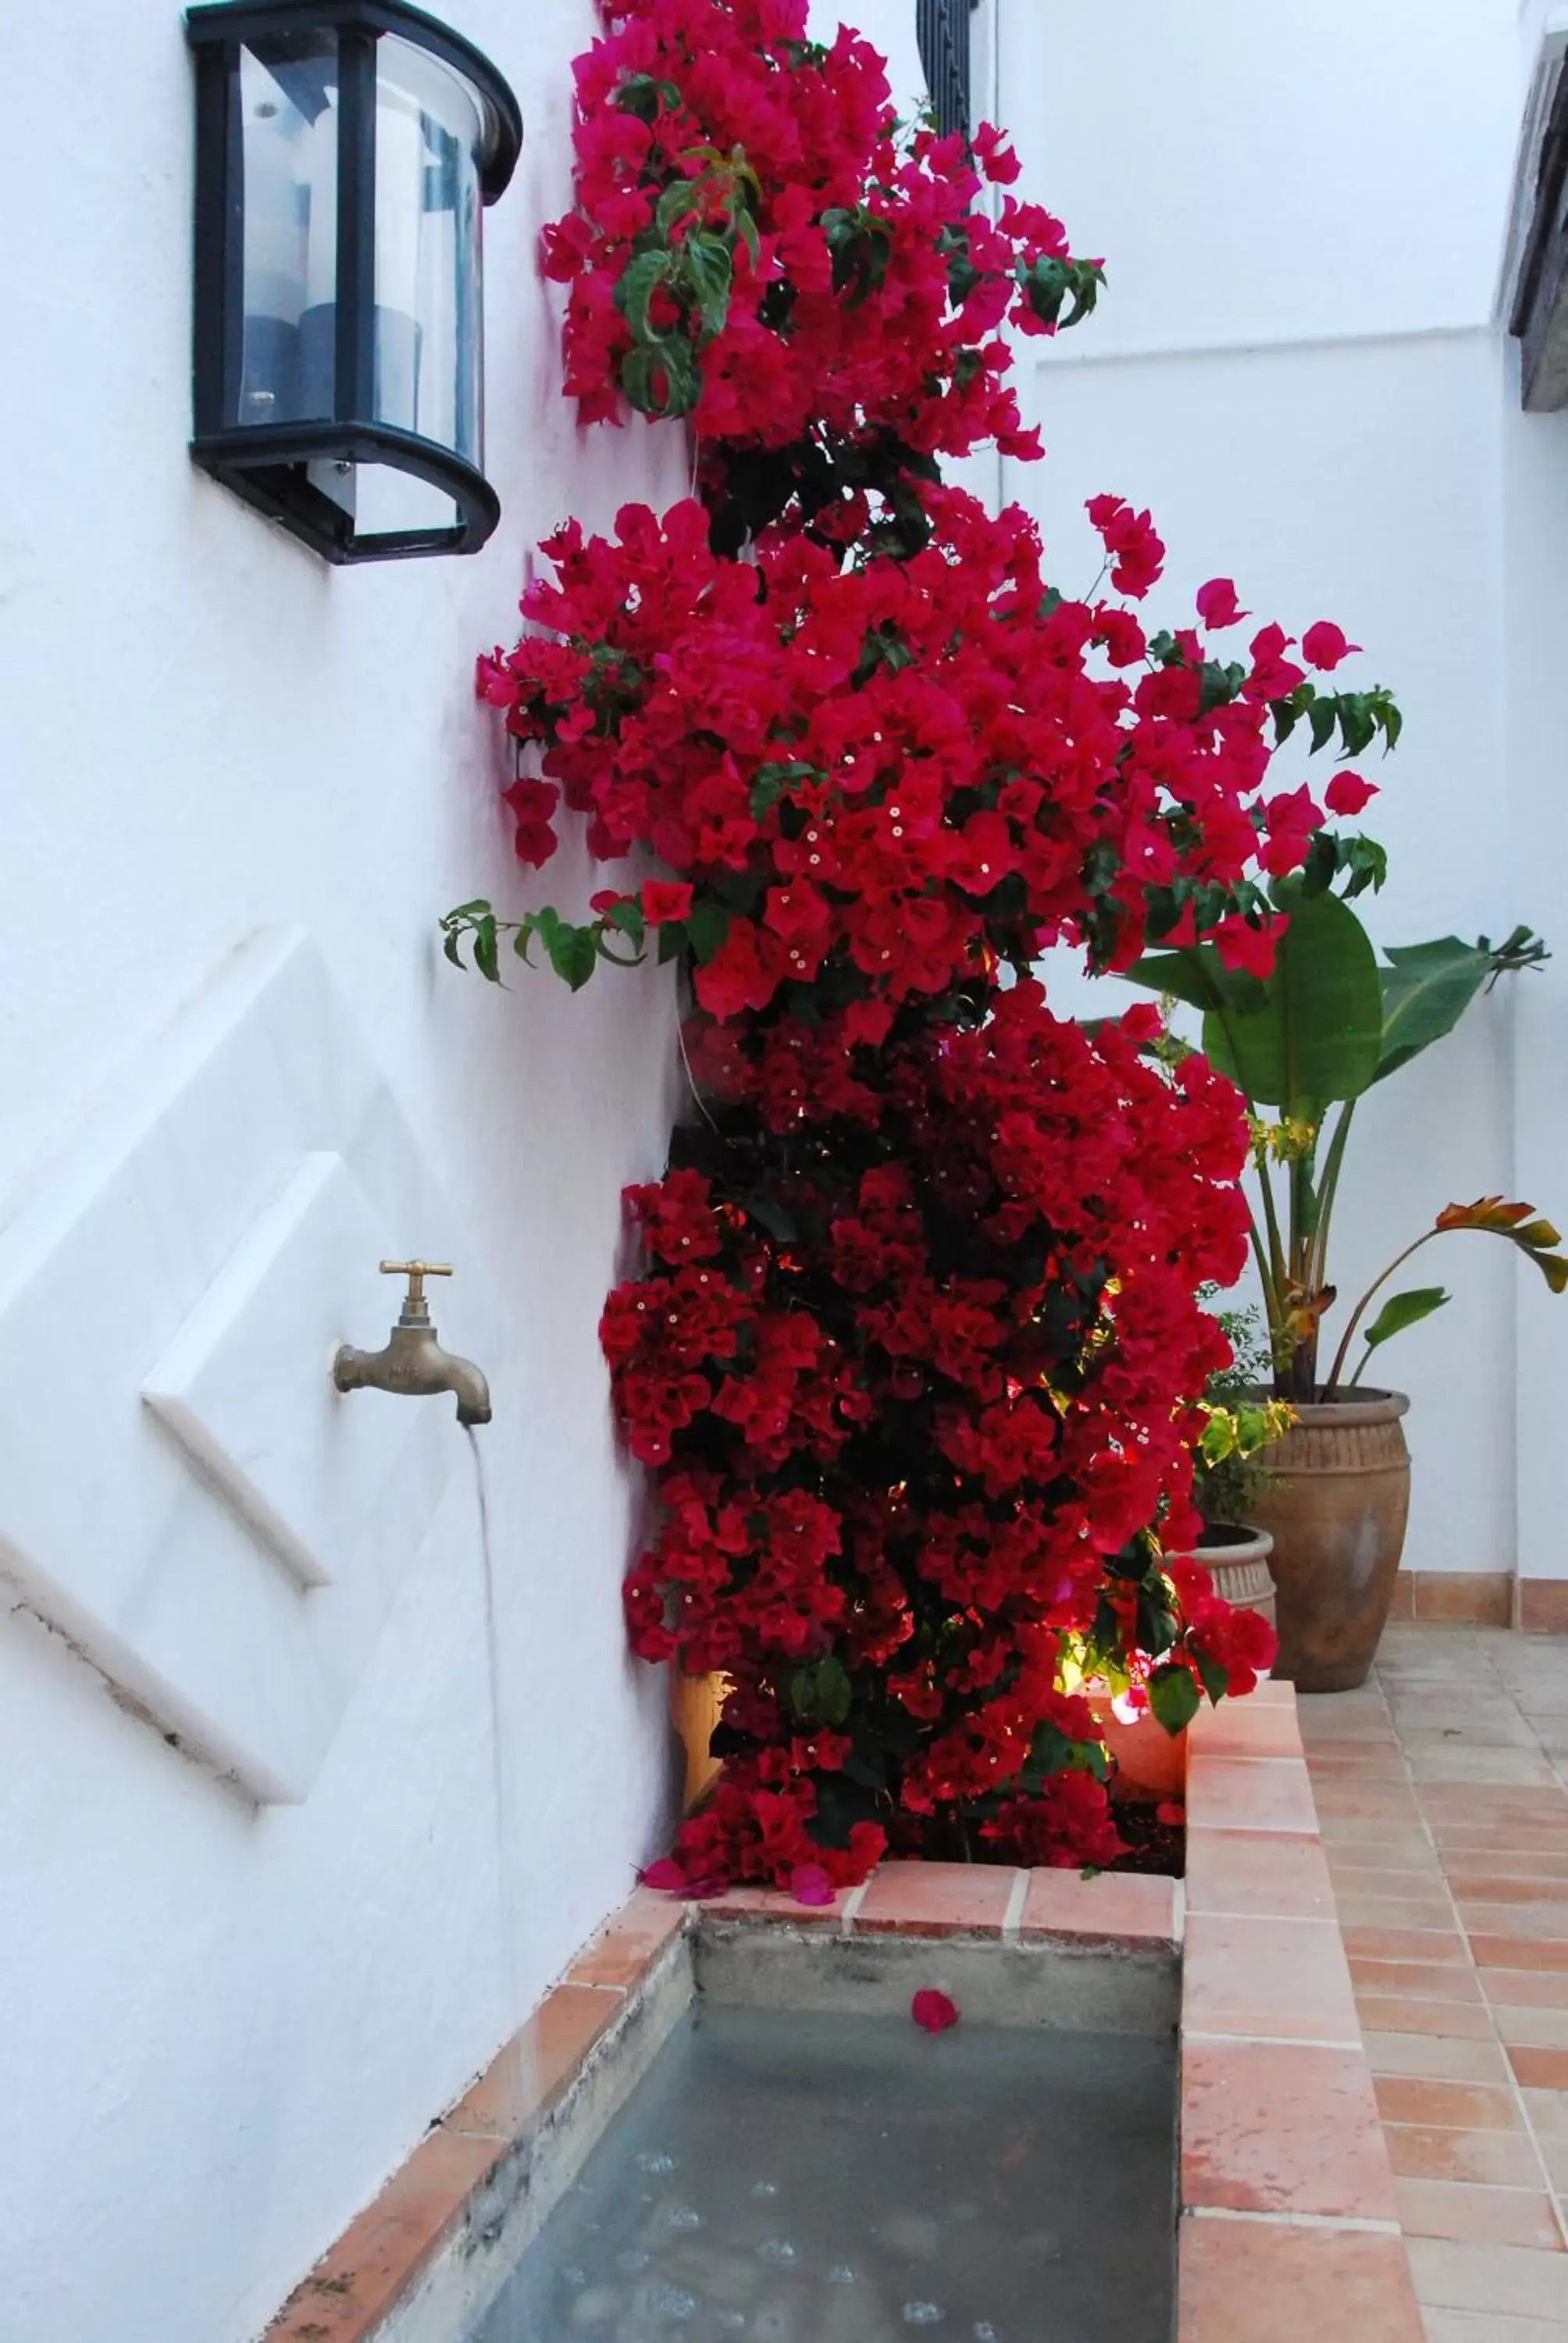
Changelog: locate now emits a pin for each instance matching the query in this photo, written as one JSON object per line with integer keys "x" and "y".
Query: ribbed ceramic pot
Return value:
{"x": 1335, "y": 1503}
{"x": 1237, "y": 1560}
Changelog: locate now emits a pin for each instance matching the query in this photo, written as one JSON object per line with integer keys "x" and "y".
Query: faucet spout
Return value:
{"x": 411, "y": 1362}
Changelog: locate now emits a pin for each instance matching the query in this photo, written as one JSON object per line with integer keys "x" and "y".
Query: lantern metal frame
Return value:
{"x": 269, "y": 464}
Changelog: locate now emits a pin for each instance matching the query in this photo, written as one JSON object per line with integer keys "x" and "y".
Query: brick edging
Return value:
{"x": 1289, "y": 2219}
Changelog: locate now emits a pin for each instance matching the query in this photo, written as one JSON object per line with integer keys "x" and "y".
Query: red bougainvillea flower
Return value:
{"x": 1323, "y": 646}
{"x": 1218, "y": 606}
{"x": 810, "y": 1884}
{"x": 1347, "y": 793}
{"x": 933, "y": 2011}
{"x": 911, "y": 1348}
{"x": 665, "y": 899}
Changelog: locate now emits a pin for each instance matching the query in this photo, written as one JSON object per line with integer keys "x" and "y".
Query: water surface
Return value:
{"x": 792, "y": 2179}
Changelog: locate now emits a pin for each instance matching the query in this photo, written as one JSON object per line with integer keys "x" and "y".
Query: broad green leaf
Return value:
{"x": 706, "y": 925}
{"x": 1426, "y": 991}
{"x": 834, "y": 1693}
{"x": 1175, "y": 1697}
{"x": 1317, "y": 1035}
{"x": 1403, "y": 1310}
{"x": 1198, "y": 976}
{"x": 635, "y": 290}
{"x": 574, "y": 953}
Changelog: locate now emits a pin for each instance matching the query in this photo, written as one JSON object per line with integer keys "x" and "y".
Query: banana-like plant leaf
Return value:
{"x": 1425, "y": 992}
{"x": 1403, "y": 1310}
{"x": 1536, "y": 1238}
{"x": 1317, "y": 1035}
{"x": 1198, "y": 976}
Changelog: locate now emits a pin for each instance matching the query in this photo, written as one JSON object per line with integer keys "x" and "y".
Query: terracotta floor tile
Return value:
{"x": 1262, "y": 2282}
{"x": 1543, "y": 2028}
{"x": 1476, "y": 2215}
{"x": 1250, "y": 1793}
{"x": 1406, "y": 1883}
{"x": 1115, "y": 1908}
{"x": 1365, "y": 1913}
{"x": 1511, "y": 1952}
{"x": 1498, "y": 2160}
{"x": 1257, "y": 1872}
{"x": 1526, "y": 1988}
{"x": 1445, "y": 1946}
{"x": 1473, "y": 1887}
{"x": 1546, "y": 1921}
{"x": 1390, "y": 2012}
{"x": 1447, "y": 1980}
{"x": 1341, "y": 1832}
{"x": 1541, "y": 2070}
{"x": 1490, "y": 2326}
{"x": 1476, "y": 1762}
{"x": 1280, "y": 1978}
{"x": 937, "y": 1899}
{"x": 1548, "y": 2113}
{"x": 1456, "y": 2107}
{"x": 1453, "y": 2058}
{"x": 1275, "y": 2127}
{"x": 1510, "y": 2280}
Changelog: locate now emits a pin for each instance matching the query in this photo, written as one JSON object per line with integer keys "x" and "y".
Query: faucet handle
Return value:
{"x": 414, "y": 1302}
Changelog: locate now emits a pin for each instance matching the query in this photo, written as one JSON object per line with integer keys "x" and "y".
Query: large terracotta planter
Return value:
{"x": 1237, "y": 1560}
{"x": 1335, "y": 1503}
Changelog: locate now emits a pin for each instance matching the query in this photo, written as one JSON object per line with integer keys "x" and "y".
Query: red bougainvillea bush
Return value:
{"x": 914, "y": 1354}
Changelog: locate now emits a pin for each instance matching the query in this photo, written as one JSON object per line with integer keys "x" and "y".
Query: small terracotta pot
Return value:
{"x": 1237, "y": 1560}
{"x": 1151, "y": 1763}
{"x": 695, "y": 1703}
{"x": 1335, "y": 1502}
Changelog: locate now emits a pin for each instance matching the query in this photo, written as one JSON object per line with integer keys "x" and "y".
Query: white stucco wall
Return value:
{"x": 1296, "y": 366}
{"x": 227, "y": 2025}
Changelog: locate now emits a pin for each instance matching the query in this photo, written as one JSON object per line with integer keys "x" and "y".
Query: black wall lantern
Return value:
{"x": 344, "y": 151}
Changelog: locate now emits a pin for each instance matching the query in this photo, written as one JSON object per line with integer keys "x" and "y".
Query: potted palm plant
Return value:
{"x": 1304, "y": 1045}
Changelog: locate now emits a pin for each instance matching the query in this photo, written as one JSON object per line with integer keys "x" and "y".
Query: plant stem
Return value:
{"x": 1359, "y": 1311}
{"x": 1328, "y": 1193}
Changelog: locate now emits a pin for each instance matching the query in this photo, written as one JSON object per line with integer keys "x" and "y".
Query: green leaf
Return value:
{"x": 1321, "y": 716}
{"x": 487, "y": 957}
{"x": 709, "y": 270}
{"x": 1175, "y": 1697}
{"x": 802, "y": 1691}
{"x": 1403, "y": 1310}
{"x": 771, "y": 1216}
{"x": 574, "y": 953}
{"x": 1316, "y": 1034}
{"x": 1215, "y": 1674}
{"x": 627, "y": 916}
{"x": 634, "y": 292}
{"x": 1426, "y": 991}
{"x": 706, "y": 925}
{"x": 835, "y": 1694}
{"x": 682, "y": 195}
{"x": 1196, "y": 975}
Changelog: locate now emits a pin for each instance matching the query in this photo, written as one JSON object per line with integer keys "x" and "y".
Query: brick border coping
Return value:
{"x": 1288, "y": 2216}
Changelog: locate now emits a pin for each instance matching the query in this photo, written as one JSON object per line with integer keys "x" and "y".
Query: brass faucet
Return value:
{"x": 413, "y": 1361}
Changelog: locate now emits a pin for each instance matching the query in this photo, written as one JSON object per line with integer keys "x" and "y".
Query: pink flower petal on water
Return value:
{"x": 934, "y": 2010}
{"x": 666, "y": 1875}
{"x": 1171, "y": 1811}
{"x": 810, "y": 1884}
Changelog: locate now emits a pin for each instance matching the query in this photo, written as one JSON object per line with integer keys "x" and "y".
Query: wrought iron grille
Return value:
{"x": 942, "y": 28}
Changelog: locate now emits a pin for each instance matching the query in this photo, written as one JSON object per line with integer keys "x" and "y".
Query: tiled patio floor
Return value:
{"x": 1443, "y": 1790}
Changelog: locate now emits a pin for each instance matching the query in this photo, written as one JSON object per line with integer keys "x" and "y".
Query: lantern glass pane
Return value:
{"x": 431, "y": 131}
{"x": 287, "y": 153}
